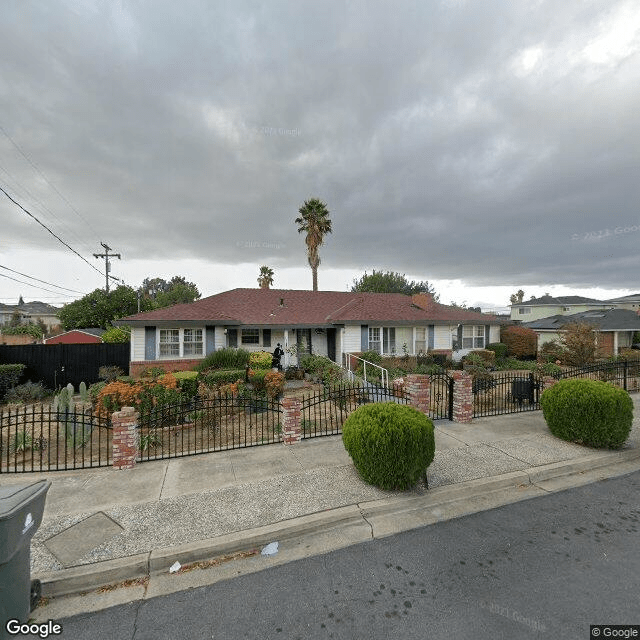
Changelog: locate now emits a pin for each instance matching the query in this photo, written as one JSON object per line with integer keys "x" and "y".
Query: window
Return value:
{"x": 192, "y": 343}
{"x": 374, "y": 339}
{"x": 251, "y": 336}
{"x": 524, "y": 310}
{"x": 473, "y": 337}
{"x": 177, "y": 343}
{"x": 389, "y": 340}
{"x": 421, "y": 340}
{"x": 169, "y": 343}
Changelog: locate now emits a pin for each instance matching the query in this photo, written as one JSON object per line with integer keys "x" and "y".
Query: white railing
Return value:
{"x": 348, "y": 357}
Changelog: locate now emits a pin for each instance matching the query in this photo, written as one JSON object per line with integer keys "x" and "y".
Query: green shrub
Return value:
{"x": 257, "y": 379}
{"x": 217, "y": 378}
{"x": 9, "y": 377}
{"x": 260, "y": 360}
{"x": 117, "y": 335}
{"x": 588, "y": 412}
{"x": 27, "y": 392}
{"x": 551, "y": 369}
{"x": 314, "y": 364}
{"x": 552, "y": 351}
{"x": 429, "y": 369}
{"x": 94, "y": 390}
{"x": 391, "y": 445}
{"x": 499, "y": 348}
{"x": 226, "y": 358}
{"x": 371, "y": 356}
{"x": 31, "y": 329}
{"x": 487, "y": 355}
{"x": 187, "y": 382}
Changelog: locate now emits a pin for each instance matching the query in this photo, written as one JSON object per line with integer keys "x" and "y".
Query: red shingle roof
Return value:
{"x": 311, "y": 308}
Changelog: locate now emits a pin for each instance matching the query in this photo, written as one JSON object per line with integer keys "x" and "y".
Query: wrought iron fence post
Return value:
{"x": 625, "y": 363}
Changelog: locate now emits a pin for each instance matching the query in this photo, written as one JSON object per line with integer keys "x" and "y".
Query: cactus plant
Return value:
{"x": 84, "y": 395}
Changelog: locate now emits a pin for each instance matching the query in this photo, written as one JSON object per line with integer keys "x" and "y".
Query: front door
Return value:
{"x": 303, "y": 341}
{"x": 331, "y": 344}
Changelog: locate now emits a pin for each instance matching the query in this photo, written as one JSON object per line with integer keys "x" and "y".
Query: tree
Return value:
{"x": 117, "y": 335}
{"x": 165, "y": 293}
{"x": 391, "y": 282}
{"x": 580, "y": 342}
{"x": 265, "y": 278}
{"x": 314, "y": 221}
{"x": 517, "y": 297}
{"x": 521, "y": 341}
{"x": 99, "y": 309}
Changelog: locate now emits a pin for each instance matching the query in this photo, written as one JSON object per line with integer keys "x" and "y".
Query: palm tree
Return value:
{"x": 314, "y": 221}
{"x": 265, "y": 279}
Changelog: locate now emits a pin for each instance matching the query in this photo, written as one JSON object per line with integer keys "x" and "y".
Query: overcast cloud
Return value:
{"x": 473, "y": 141}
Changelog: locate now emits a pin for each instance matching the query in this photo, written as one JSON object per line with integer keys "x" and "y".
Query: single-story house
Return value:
{"x": 615, "y": 327}
{"x": 77, "y": 336}
{"x": 329, "y": 323}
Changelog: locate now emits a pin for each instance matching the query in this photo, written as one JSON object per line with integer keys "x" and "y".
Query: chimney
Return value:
{"x": 282, "y": 302}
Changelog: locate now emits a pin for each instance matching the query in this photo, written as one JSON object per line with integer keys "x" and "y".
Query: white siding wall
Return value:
{"x": 137, "y": 344}
{"x": 404, "y": 334}
{"x": 351, "y": 339}
{"x": 546, "y": 337}
{"x": 318, "y": 343}
{"x": 494, "y": 334}
{"x": 220, "y": 339}
{"x": 442, "y": 337}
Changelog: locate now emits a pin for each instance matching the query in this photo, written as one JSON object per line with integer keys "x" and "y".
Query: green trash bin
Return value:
{"x": 21, "y": 509}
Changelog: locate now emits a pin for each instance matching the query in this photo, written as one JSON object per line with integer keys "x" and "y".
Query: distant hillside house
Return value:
{"x": 547, "y": 306}
{"x": 27, "y": 312}
{"x": 77, "y": 336}
{"x": 328, "y": 323}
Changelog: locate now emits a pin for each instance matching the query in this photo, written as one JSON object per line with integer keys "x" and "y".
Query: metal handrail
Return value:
{"x": 384, "y": 372}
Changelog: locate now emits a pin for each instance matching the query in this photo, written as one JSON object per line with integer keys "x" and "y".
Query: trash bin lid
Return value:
{"x": 14, "y": 497}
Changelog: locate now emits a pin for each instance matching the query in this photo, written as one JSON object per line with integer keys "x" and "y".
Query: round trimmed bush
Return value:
{"x": 588, "y": 412}
{"x": 391, "y": 445}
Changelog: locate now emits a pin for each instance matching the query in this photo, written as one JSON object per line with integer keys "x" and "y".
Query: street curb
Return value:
{"x": 90, "y": 577}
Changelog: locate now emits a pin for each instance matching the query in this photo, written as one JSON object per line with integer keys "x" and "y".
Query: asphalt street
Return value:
{"x": 546, "y": 567}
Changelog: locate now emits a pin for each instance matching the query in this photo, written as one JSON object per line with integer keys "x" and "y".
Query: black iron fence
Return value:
{"x": 624, "y": 374}
{"x": 507, "y": 392}
{"x": 41, "y": 438}
{"x": 203, "y": 425}
{"x": 324, "y": 412}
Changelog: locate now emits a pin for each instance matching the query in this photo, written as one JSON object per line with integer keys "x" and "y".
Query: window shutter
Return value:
{"x": 431, "y": 337}
{"x": 487, "y": 330}
{"x": 210, "y": 341}
{"x": 149, "y": 343}
{"x": 460, "y": 337}
{"x": 364, "y": 337}
{"x": 232, "y": 338}
{"x": 266, "y": 337}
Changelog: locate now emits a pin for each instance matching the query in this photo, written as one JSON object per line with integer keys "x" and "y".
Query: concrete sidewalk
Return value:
{"x": 103, "y": 526}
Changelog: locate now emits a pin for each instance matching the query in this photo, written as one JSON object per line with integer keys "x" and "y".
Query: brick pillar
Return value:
{"x": 419, "y": 391}
{"x": 462, "y": 396}
{"x": 126, "y": 438}
{"x": 291, "y": 411}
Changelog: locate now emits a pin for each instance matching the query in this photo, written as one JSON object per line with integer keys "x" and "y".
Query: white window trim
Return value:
{"x": 181, "y": 355}
{"x": 523, "y": 311}
{"x": 478, "y": 333}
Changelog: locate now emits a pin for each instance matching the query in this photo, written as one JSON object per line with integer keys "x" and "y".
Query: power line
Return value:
{"x": 18, "y": 188}
{"x": 28, "y": 284}
{"x": 49, "y": 230}
{"x": 24, "y": 155}
{"x": 43, "y": 281}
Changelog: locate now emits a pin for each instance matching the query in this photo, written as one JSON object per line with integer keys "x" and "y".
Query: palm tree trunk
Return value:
{"x": 314, "y": 272}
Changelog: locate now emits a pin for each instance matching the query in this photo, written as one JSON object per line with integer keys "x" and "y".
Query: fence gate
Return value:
{"x": 441, "y": 397}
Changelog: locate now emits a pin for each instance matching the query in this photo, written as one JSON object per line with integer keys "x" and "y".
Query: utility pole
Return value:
{"x": 107, "y": 264}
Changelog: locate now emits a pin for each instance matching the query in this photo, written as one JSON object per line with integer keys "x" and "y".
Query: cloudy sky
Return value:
{"x": 485, "y": 146}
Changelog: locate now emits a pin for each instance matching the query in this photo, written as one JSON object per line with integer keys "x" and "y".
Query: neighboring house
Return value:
{"x": 329, "y": 323}
{"x": 547, "y": 306}
{"x": 30, "y": 312}
{"x": 615, "y": 326}
{"x": 626, "y": 302}
{"x": 77, "y": 336}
